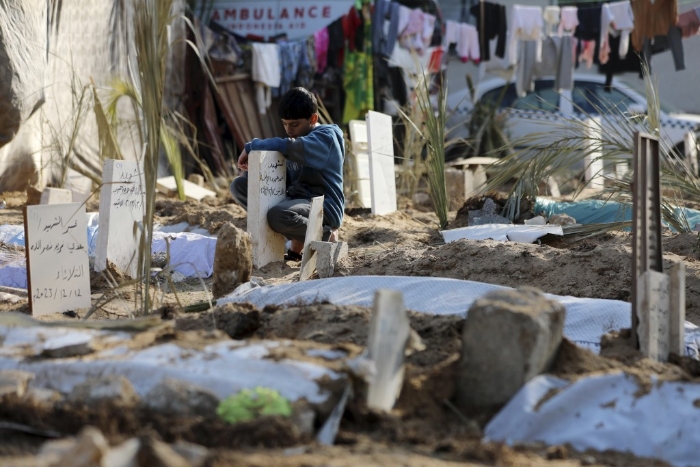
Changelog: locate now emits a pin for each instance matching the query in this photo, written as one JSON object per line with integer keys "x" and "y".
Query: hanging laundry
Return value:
{"x": 558, "y": 61}
{"x": 616, "y": 19}
{"x": 673, "y": 40}
{"x": 385, "y": 32}
{"x": 358, "y": 71}
{"x": 321, "y": 42}
{"x": 525, "y": 72}
{"x": 491, "y": 24}
{"x": 404, "y": 18}
{"x": 428, "y": 28}
{"x": 652, "y": 19}
{"x": 352, "y": 30}
{"x": 551, "y": 15}
{"x": 308, "y": 65}
{"x": 336, "y": 44}
{"x": 569, "y": 20}
{"x": 587, "y": 32}
{"x": 266, "y": 73}
{"x": 466, "y": 37}
{"x": 290, "y": 53}
{"x": 527, "y": 25}
{"x": 412, "y": 36}
{"x": 689, "y": 22}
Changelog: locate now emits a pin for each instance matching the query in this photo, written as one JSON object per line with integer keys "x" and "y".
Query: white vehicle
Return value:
{"x": 545, "y": 106}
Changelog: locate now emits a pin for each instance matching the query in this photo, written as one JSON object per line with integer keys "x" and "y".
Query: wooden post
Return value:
{"x": 267, "y": 172}
{"x": 677, "y": 320}
{"x": 314, "y": 233}
{"x": 388, "y": 335}
{"x": 646, "y": 221}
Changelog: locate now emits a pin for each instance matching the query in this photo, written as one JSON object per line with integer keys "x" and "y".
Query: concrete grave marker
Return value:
{"x": 654, "y": 320}
{"x": 56, "y": 196}
{"x": 358, "y": 138}
{"x": 389, "y": 331}
{"x": 267, "y": 186}
{"x": 677, "y": 307}
{"x": 58, "y": 270}
{"x": 381, "y": 163}
{"x": 79, "y": 185}
{"x": 122, "y": 204}
{"x": 168, "y": 186}
{"x": 314, "y": 233}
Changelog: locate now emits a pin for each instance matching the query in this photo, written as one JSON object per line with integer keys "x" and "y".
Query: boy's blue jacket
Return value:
{"x": 320, "y": 156}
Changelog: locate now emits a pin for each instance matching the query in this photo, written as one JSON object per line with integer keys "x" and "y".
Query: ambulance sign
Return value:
{"x": 297, "y": 19}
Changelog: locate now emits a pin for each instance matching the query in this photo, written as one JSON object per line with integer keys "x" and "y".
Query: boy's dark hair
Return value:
{"x": 297, "y": 103}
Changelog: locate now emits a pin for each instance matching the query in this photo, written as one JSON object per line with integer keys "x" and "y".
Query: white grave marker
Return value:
{"x": 122, "y": 204}
{"x": 56, "y": 196}
{"x": 654, "y": 320}
{"x": 691, "y": 151}
{"x": 58, "y": 270}
{"x": 381, "y": 163}
{"x": 594, "y": 160}
{"x": 314, "y": 233}
{"x": 389, "y": 331}
{"x": 267, "y": 186}
{"x": 358, "y": 137}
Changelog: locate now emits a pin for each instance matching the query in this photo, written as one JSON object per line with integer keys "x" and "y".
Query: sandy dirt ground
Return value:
{"x": 423, "y": 429}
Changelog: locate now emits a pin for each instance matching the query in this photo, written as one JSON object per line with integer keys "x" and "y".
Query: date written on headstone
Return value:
{"x": 57, "y": 256}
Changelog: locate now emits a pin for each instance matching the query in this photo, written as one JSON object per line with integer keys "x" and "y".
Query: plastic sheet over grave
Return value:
{"x": 605, "y": 412}
{"x": 191, "y": 254}
{"x": 593, "y": 211}
{"x": 223, "y": 368}
{"x": 501, "y": 232}
{"x": 587, "y": 319}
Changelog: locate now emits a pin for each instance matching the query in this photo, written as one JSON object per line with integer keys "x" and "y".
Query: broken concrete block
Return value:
{"x": 154, "y": 453}
{"x": 328, "y": 254}
{"x": 14, "y": 382}
{"x": 510, "y": 336}
{"x": 181, "y": 398}
{"x": 233, "y": 259}
{"x": 197, "y": 179}
{"x": 168, "y": 187}
{"x": 87, "y": 451}
{"x": 41, "y": 397}
{"x": 537, "y": 220}
{"x": 113, "y": 389}
{"x": 561, "y": 219}
{"x": 56, "y": 196}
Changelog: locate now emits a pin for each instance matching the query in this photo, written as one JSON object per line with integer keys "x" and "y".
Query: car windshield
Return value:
{"x": 587, "y": 96}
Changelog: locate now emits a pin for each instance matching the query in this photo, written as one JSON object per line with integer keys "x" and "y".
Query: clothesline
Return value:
{"x": 599, "y": 2}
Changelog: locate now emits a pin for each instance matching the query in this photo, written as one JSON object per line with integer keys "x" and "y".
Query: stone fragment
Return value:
{"x": 52, "y": 195}
{"x": 510, "y": 336}
{"x": 180, "y": 398}
{"x": 327, "y": 256}
{"x": 87, "y": 451}
{"x": 561, "y": 219}
{"x": 14, "y": 382}
{"x": 488, "y": 214}
{"x": 233, "y": 259}
{"x": 154, "y": 453}
{"x": 112, "y": 389}
{"x": 197, "y": 179}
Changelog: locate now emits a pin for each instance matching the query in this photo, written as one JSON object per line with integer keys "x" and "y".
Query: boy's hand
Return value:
{"x": 243, "y": 161}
